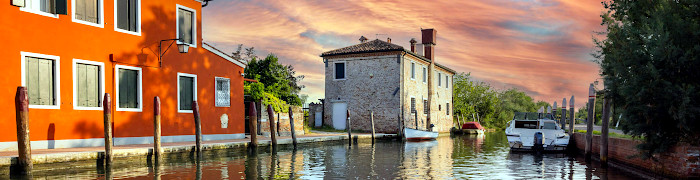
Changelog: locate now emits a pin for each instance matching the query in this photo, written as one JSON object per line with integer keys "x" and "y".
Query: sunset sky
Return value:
{"x": 542, "y": 47}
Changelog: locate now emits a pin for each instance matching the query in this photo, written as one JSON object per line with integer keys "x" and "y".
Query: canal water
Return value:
{"x": 458, "y": 157}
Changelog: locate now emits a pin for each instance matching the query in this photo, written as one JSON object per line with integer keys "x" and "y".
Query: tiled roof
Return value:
{"x": 366, "y": 47}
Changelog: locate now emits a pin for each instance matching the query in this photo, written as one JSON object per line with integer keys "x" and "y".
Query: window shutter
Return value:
{"x": 80, "y": 9}
{"x": 186, "y": 94}
{"x": 413, "y": 105}
{"x": 32, "y": 79}
{"x": 128, "y": 88}
{"x": 133, "y": 15}
{"x": 82, "y": 85}
{"x": 46, "y": 94}
{"x": 123, "y": 14}
{"x": 61, "y": 7}
{"x": 91, "y": 11}
{"x": 185, "y": 20}
{"x": 93, "y": 86}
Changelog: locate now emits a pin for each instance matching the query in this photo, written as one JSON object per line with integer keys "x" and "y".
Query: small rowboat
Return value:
{"x": 418, "y": 135}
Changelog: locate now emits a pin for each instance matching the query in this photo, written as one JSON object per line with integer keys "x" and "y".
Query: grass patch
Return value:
{"x": 612, "y": 134}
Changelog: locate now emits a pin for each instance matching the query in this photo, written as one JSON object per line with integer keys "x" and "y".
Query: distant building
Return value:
{"x": 396, "y": 83}
{"x": 68, "y": 53}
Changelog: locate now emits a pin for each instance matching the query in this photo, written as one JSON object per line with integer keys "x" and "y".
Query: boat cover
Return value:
{"x": 472, "y": 125}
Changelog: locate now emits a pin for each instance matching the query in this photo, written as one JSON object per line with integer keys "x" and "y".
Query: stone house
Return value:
{"x": 402, "y": 87}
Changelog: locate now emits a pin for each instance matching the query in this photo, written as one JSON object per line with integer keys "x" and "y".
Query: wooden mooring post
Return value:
{"x": 347, "y": 123}
{"x": 371, "y": 118}
{"x": 253, "y": 125}
{"x": 589, "y": 122}
{"x": 197, "y": 127}
{"x": 291, "y": 125}
{"x": 604, "y": 132}
{"x": 24, "y": 161}
{"x": 563, "y": 114}
{"x": 156, "y": 128}
{"x": 273, "y": 137}
{"x": 107, "y": 106}
{"x": 572, "y": 120}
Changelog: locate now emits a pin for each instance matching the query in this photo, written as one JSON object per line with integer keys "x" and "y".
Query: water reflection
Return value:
{"x": 458, "y": 157}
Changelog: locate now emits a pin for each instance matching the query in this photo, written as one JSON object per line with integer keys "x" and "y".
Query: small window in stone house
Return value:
{"x": 447, "y": 81}
{"x": 413, "y": 105}
{"x": 426, "y": 108}
{"x": 413, "y": 71}
{"x": 447, "y": 108}
{"x": 425, "y": 75}
{"x": 439, "y": 79}
{"x": 340, "y": 70}
{"x": 439, "y": 107}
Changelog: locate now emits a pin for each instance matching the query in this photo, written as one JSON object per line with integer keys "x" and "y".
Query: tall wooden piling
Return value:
{"x": 24, "y": 161}
{"x": 156, "y": 128}
{"x": 371, "y": 118}
{"x": 273, "y": 137}
{"x": 347, "y": 123}
{"x": 399, "y": 126}
{"x": 253, "y": 125}
{"x": 197, "y": 127}
{"x": 291, "y": 125}
{"x": 604, "y": 132}
{"x": 107, "y": 106}
{"x": 563, "y": 114}
{"x": 572, "y": 120}
{"x": 589, "y": 122}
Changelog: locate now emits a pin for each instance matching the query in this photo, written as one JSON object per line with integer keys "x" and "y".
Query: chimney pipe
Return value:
{"x": 363, "y": 39}
{"x": 413, "y": 44}
{"x": 428, "y": 41}
{"x": 388, "y": 40}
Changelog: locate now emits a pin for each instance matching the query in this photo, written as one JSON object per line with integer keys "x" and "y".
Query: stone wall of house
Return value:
{"x": 313, "y": 109}
{"x": 371, "y": 83}
{"x": 282, "y": 120}
{"x": 442, "y": 116}
{"x": 416, "y": 88}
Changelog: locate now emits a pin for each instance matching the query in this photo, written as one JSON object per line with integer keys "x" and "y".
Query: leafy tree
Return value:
{"x": 278, "y": 80}
{"x": 512, "y": 101}
{"x": 474, "y": 98}
{"x": 650, "y": 60}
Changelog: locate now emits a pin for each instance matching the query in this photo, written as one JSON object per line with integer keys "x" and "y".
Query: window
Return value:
{"x": 340, "y": 71}
{"x": 50, "y": 8}
{"x": 425, "y": 75}
{"x": 187, "y": 25}
{"x": 186, "y": 92}
{"x": 88, "y": 84}
{"x": 447, "y": 81}
{"x": 426, "y": 108}
{"x": 41, "y": 77}
{"x": 128, "y": 82}
{"x": 413, "y": 71}
{"x": 223, "y": 92}
{"x": 439, "y": 79}
{"x": 439, "y": 107}
{"x": 127, "y": 16}
{"x": 447, "y": 108}
{"x": 413, "y": 105}
{"x": 89, "y": 12}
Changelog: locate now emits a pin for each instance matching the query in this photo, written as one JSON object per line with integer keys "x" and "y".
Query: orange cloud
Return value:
{"x": 539, "y": 46}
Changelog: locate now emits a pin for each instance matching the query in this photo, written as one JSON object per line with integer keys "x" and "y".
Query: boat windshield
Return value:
{"x": 526, "y": 124}
{"x": 531, "y": 116}
{"x": 549, "y": 125}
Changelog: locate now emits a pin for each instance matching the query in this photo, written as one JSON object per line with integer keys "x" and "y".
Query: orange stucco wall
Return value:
{"x": 28, "y": 32}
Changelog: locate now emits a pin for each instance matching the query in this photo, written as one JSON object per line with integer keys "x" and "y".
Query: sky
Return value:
{"x": 542, "y": 47}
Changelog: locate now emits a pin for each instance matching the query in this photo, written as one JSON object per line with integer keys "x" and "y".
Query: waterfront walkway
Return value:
{"x": 597, "y": 128}
{"x": 43, "y": 156}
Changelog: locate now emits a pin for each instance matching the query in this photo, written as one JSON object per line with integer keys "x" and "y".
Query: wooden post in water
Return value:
{"x": 604, "y": 132}
{"x": 291, "y": 125}
{"x": 156, "y": 128}
{"x": 399, "y": 126}
{"x": 554, "y": 110}
{"x": 572, "y": 120}
{"x": 347, "y": 122}
{"x": 589, "y": 122}
{"x": 273, "y": 137}
{"x": 253, "y": 125}
{"x": 24, "y": 161}
{"x": 371, "y": 118}
{"x": 197, "y": 127}
{"x": 563, "y": 114}
{"x": 107, "y": 106}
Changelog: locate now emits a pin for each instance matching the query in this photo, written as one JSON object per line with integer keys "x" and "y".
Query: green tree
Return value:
{"x": 278, "y": 80}
{"x": 472, "y": 99}
{"x": 650, "y": 60}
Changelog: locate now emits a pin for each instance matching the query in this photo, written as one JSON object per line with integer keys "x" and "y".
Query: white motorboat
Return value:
{"x": 536, "y": 132}
{"x": 417, "y": 135}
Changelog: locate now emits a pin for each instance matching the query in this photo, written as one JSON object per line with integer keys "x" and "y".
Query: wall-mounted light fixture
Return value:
{"x": 182, "y": 47}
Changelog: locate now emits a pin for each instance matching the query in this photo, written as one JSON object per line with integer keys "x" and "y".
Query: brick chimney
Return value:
{"x": 388, "y": 40}
{"x": 413, "y": 44}
{"x": 363, "y": 39}
{"x": 429, "y": 42}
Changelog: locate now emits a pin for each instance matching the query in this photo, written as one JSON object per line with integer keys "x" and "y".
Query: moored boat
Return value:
{"x": 536, "y": 132}
{"x": 418, "y": 135}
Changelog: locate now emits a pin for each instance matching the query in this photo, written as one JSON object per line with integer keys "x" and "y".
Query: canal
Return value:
{"x": 459, "y": 157}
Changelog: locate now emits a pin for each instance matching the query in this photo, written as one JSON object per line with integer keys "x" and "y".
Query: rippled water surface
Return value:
{"x": 458, "y": 157}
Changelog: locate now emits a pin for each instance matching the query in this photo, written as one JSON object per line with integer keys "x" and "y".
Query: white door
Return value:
{"x": 318, "y": 122}
{"x": 339, "y": 115}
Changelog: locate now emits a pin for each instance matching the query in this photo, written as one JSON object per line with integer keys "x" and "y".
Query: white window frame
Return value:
{"x": 33, "y": 11}
{"x": 229, "y": 91}
{"x": 194, "y": 24}
{"x": 139, "y": 89}
{"x": 138, "y": 29}
{"x": 101, "y": 8}
{"x": 345, "y": 65}
{"x": 56, "y": 77}
{"x": 75, "y": 84}
{"x": 413, "y": 70}
{"x": 194, "y": 91}
{"x": 425, "y": 75}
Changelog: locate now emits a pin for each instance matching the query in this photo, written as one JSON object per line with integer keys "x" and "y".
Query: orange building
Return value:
{"x": 68, "y": 53}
